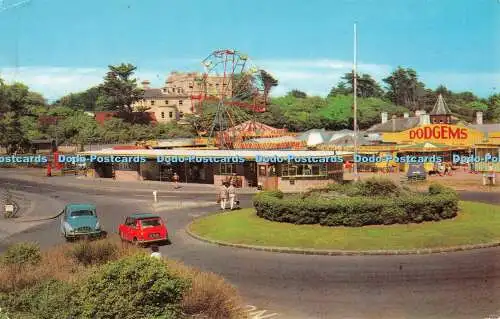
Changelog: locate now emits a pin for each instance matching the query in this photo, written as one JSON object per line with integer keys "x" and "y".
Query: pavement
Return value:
{"x": 453, "y": 285}
{"x": 38, "y": 176}
{"x": 34, "y": 209}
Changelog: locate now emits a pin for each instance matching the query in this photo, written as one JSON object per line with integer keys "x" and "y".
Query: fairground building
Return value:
{"x": 435, "y": 134}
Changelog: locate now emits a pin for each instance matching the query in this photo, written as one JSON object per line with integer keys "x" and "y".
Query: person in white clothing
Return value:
{"x": 232, "y": 195}
{"x": 155, "y": 252}
{"x": 223, "y": 196}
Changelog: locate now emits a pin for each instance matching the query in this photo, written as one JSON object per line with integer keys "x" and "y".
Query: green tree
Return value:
{"x": 172, "y": 130}
{"x": 268, "y": 82}
{"x": 121, "y": 88}
{"x": 115, "y": 130}
{"x": 493, "y": 111}
{"x": 80, "y": 129}
{"x": 16, "y": 101}
{"x": 340, "y": 89}
{"x": 404, "y": 88}
{"x": 366, "y": 86}
{"x": 477, "y": 106}
{"x": 92, "y": 99}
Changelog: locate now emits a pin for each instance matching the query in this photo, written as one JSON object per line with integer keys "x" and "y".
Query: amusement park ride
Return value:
{"x": 236, "y": 88}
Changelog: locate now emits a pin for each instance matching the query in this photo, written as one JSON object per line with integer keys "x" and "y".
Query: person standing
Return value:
{"x": 491, "y": 174}
{"x": 232, "y": 195}
{"x": 224, "y": 196}
{"x": 155, "y": 252}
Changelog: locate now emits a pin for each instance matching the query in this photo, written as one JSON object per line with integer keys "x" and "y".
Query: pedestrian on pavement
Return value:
{"x": 155, "y": 252}
{"x": 491, "y": 174}
{"x": 224, "y": 195}
{"x": 175, "y": 178}
{"x": 232, "y": 195}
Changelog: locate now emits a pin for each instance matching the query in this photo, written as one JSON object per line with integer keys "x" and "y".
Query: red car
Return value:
{"x": 143, "y": 229}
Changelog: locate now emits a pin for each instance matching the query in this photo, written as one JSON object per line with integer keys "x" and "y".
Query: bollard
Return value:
{"x": 155, "y": 196}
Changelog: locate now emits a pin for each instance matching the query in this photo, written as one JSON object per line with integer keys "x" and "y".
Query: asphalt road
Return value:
{"x": 456, "y": 285}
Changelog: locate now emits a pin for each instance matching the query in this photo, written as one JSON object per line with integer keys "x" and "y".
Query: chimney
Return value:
{"x": 479, "y": 118}
{"x": 384, "y": 117}
{"x": 406, "y": 115}
{"x": 394, "y": 123}
{"x": 424, "y": 119}
{"x": 145, "y": 84}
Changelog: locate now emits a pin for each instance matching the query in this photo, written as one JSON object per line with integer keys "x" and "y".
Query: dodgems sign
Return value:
{"x": 437, "y": 132}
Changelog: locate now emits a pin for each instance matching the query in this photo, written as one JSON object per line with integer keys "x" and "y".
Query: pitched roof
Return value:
{"x": 348, "y": 140}
{"x": 153, "y": 93}
{"x": 286, "y": 138}
{"x": 486, "y": 128}
{"x": 395, "y": 125}
{"x": 148, "y": 117}
{"x": 315, "y": 136}
{"x": 440, "y": 108}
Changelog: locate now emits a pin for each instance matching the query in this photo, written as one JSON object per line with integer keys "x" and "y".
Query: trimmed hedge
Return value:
{"x": 388, "y": 206}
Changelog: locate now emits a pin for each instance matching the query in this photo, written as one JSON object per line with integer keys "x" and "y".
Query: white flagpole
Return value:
{"x": 355, "y": 108}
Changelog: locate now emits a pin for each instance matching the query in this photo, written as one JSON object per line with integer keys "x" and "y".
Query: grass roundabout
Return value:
{"x": 476, "y": 223}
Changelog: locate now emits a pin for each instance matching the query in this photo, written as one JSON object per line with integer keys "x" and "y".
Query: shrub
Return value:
{"x": 134, "y": 287}
{"x": 89, "y": 253}
{"x": 394, "y": 206}
{"x": 22, "y": 254}
{"x": 377, "y": 186}
{"x": 51, "y": 299}
{"x": 129, "y": 285}
{"x": 209, "y": 296}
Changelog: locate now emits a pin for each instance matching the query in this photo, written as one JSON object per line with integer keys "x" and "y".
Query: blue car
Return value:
{"x": 80, "y": 220}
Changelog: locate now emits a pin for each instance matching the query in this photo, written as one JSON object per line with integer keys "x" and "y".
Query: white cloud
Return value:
{"x": 315, "y": 77}
{"x": 54, "y": 82}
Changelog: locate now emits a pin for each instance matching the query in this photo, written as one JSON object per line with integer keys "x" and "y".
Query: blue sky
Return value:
{"x": 59, "y": 46}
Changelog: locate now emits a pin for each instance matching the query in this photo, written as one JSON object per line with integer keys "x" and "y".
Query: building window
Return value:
{"x": 181, "y": 114}
{"x": 166, "y": 102}
{"x": 162, "y": 115}
{"x": 180, "y": 102}
{"x": 227, "y": 169}
{"x": 170, "y": 114}
{"x": 179, "y": 90}
{"x": 190, "y": 85}
{"x": 289, "y": 170}
{"x": 152, "y": 102}
{"x": 164, "y": 90}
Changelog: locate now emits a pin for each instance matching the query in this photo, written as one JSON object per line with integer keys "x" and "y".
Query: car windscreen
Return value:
{"x": 82, "y": 212}
{"x": 152, "y": 222}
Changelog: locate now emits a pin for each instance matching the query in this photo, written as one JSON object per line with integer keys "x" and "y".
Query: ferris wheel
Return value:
{"x": 232, "y": 89}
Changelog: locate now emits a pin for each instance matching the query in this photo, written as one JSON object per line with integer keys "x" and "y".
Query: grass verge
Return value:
{"x": 476, "y": 223}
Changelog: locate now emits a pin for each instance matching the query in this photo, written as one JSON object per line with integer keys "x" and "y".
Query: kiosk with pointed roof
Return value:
{"x": 440, "y": 113}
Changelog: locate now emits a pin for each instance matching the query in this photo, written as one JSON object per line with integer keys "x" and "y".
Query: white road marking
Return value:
{"x": 162, "y": 206}
{"x": 255, "y": 313}
{"x": 151, "y": 196}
